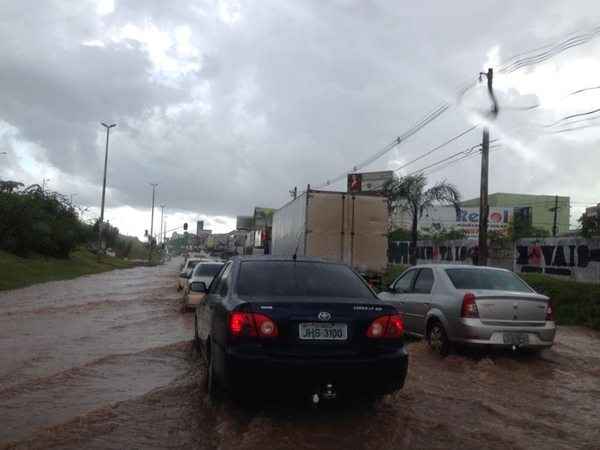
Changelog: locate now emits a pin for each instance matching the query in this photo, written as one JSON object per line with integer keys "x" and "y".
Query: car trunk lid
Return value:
{"x": 510, "y": 308}
{"x": 295, "y": 314}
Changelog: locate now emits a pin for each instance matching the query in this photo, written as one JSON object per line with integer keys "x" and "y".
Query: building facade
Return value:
{"x": 538, "y": 209}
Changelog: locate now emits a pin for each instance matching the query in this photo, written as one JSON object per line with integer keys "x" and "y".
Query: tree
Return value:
{"x": 519, "y": 228}
{"x": 10, "y": 186}
{"x": 410, "y": 194}
{"x": 590, "y": 225}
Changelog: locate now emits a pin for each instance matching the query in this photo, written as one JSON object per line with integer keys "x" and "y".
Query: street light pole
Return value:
{"x": 44, "y": 181}
{"x": 152, "y": 222}
{"x": 108, "y": 127}
{"x": 162, "y": 218}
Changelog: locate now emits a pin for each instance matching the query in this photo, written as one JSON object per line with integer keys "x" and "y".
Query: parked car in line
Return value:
{"x": 186, "y": 272}
{"x": 474, "y": 305}
{"x": 204, "y": 272}
{"x": 315, "y": 327}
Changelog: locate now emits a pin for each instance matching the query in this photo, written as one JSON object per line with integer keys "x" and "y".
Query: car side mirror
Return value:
{"x": 199, "y": 287}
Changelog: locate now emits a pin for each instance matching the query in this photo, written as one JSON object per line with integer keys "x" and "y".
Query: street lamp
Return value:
{"x": 44, "y": 181}
{"x": 152, "y": 221}
{"x": 162, "y": 215}
{"x": 108, "y": 127}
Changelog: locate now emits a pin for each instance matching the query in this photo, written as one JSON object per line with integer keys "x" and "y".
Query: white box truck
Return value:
{"x": 338, "y": 226}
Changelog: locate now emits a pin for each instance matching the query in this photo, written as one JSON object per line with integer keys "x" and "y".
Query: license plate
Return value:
{"x": 316, "y": 331}
{"x": 515, "y": 338}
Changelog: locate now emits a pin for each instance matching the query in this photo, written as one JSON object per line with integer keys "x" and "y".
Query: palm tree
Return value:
{"x": 409, "y": 193}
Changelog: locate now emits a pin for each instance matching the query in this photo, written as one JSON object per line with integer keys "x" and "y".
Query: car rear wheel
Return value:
{"x": 212, "y": 388}
{"x": 197, "y": 343}
{"x": 438, "y": 339}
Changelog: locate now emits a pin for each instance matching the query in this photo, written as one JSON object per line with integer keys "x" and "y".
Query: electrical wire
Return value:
{"x": 429, "y": 152}
{"x": 548, "y": 51}
{"x": 514, "y": 63}
{"x": 430, "y": 117}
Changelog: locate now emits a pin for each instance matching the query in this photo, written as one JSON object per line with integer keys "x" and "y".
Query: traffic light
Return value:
{"x": 185, "y": 226}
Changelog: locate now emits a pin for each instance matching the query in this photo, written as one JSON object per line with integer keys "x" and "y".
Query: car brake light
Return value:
{"x": 386, "y": 327}
{"x": 469, "y": 307}
{"x": 251, "y": 325}
{"x": 549, "y": 312}
{"x": 265, "y": 326}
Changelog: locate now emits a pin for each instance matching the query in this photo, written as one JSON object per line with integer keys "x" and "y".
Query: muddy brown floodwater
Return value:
{"x": 105, "y": 362}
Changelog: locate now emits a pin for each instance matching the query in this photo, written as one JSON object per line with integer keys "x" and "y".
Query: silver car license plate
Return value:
{"x": 515, "y": 338}
{"x": 315, "y": 331}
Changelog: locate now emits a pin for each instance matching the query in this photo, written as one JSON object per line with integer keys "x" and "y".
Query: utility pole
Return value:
{"x": 152, "y": 222}
{"x": 555, "y": 221}
{"x": 483, "y": 195}
{"x": 294, "y": 192}
{"x": 108, "y": 127}
{"x": 162, "y": 218}
{"x": 44, "y": 181}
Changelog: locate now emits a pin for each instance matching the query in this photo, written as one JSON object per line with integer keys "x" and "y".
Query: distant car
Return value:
{"x": 304, "y": 325}
{"x": 472, "y": 305}
{"x": 203, "y": 272}
{"x": 186, "y": 272}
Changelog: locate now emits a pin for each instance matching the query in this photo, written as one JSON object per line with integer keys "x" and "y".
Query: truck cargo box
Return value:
{"x": 338, "y": 226}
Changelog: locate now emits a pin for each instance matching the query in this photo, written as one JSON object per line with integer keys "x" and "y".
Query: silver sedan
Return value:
{"x": 472, "y": 305}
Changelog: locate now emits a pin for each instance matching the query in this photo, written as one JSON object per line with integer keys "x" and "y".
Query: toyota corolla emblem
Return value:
{"x": 324, "y": 315}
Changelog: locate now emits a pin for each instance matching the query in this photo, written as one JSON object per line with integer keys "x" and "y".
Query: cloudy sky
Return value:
{"x": 230, "y": 104}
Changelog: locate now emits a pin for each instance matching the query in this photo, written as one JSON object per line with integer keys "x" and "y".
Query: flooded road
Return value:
{"x": 105, "y": 362}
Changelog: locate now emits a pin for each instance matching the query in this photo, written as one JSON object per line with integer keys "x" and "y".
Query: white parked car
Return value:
{"x": 204, "y": 272}
{"x": 186, "y": 272}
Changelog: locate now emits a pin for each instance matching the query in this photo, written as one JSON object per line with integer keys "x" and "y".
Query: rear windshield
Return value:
{"x": 299, "y": 279}
{"x": 209, "y": 270}
{"x": 496, "y": 280}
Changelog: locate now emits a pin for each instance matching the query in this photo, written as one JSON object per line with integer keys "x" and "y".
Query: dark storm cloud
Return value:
{"x": 279, "y": 93}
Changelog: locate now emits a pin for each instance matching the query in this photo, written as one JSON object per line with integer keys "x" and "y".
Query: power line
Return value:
{"x": 546, "y": 52}
{"x": 584, "y": 90}
{"x": 573, "y": 116}
{"x": 430, "y": 117}
{"x": 449, "y": 141}
{"x": 514, "y": 63}
{"x": 462, "y": 152}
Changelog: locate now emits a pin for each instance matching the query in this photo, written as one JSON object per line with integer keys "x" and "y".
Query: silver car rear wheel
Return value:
{"x": 437, "y": 339}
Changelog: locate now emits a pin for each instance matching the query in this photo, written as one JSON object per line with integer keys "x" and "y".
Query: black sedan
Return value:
{"x": 300, "y": 325}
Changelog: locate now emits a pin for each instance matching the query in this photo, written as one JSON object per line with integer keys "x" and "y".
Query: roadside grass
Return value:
{"x": 574, "y": 303}
{"x": 18, "y": 272}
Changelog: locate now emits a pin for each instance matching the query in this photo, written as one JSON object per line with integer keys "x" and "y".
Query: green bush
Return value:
{"x": 34, "y": 221}
{"x": 574, "y": 303}
{"x": 393, "y": 272}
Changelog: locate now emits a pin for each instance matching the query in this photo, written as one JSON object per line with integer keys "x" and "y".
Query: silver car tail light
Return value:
{"x": 469, "y": 307}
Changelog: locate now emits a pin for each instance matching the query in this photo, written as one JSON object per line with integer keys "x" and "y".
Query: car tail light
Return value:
{"x": 251, "y": 325}
{"x": 469, "y": 307}
{"x": 386, "y": 327}
{"x": 549, "y": 312}
{"x": 265, "y": 326}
